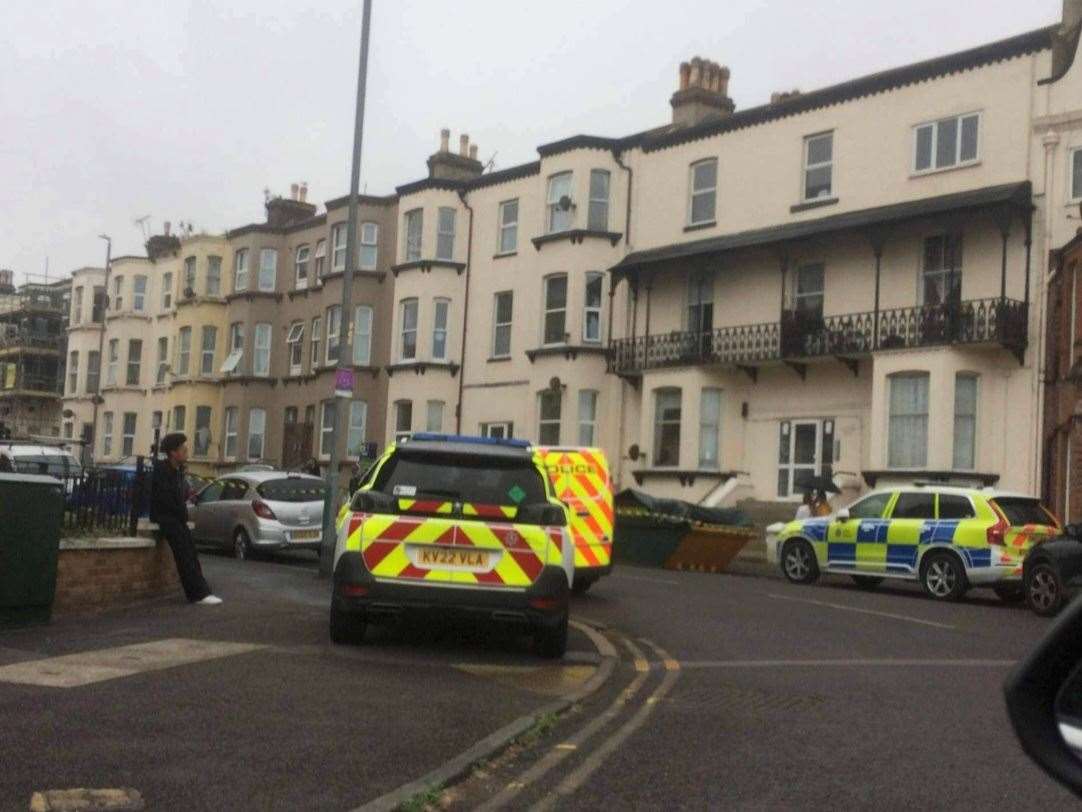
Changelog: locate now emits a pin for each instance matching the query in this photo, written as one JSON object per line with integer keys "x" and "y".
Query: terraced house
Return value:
{"x": 849, "y": 281}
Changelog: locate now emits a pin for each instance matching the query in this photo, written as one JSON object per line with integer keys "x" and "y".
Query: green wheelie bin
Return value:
{"x": 31, "y": 514}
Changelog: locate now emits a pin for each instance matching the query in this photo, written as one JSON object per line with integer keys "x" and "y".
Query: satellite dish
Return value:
{"x": 565, "y": 203}
{"x": 633, "y": 453}
{"x": 554, "y": 384}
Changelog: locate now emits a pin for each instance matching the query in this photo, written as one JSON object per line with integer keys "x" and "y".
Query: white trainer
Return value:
{"x": 210, "y": 600}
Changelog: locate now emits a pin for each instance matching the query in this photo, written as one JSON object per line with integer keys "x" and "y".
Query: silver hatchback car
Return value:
{"x": 260, "y": 511}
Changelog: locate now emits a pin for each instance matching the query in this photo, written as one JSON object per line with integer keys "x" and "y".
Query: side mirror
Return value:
{"x": 1044, "y": 700}
{"x": 842, "y": 515}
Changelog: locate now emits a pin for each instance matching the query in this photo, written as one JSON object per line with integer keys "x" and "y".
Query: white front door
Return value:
{"x": 800, "y": 456}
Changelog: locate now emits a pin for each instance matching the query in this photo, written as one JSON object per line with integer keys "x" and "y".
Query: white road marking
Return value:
{"x": 88, "y": 667}
{"x": 866, "y": 663}
{"x": 844, "y": 608}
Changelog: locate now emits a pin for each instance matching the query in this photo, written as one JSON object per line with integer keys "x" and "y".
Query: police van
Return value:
{"x": 457, "y": 526}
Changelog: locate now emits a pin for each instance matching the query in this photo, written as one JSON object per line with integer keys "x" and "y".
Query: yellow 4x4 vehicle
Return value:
{"x": 948, "y": 539}
{"x": 456, "y": 526}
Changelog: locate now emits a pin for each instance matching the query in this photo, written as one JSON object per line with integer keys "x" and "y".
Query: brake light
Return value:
{"x": 262, "y": 510}
{"x": 545, "y": 604}
{"x": 998, "y": 531}
{"x": 354, "y": 591}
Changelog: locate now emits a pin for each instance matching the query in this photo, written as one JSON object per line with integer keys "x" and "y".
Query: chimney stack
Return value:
{"x": 703, "y": 93}
{"x": 304, "y": 191}
{"x": 168, "y": 225}
{"x": 447, "y": 165}
{"x": 283, "y": 211}
{"x": 784, "y": 95}
{"x": 294, "y": 191}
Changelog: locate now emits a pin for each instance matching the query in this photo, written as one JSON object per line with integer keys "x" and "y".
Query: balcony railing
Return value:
{"x": 30, "y": 341}
{"x": 29, "y": 382}
{"x": 801, "y": 336}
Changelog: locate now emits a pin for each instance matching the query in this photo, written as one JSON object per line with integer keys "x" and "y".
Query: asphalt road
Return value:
{"x": 731, "y": 692}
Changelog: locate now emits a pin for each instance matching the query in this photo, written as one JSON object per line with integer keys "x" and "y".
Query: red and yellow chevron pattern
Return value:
{"x": 580, "y": 478}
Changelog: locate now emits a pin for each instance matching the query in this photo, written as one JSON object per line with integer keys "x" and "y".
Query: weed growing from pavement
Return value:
{"x": 545, "y": 722}
{"x": 423, "y": 800}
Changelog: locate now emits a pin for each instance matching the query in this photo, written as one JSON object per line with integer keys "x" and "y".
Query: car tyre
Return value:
{"x": 347, "y": 628}
{"x": 1044, "y": 590}
{"x": 943, "y": 577}
{"x": 1010, "y": 593}
{"x": 551, "y": 643}
{"x": 867, "y": 581}
{"x": 242, "y": 545}
{"x": 798, "y": 562}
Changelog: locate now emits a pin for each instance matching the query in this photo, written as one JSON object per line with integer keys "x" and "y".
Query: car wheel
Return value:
{"x": 798, "y": 562}
{"x": 242, "y": 545}
{"x": 943, "y": 576}
{"x": 551, "y": 643}
{"x": 581, "y": 584}
{"x": 347, "y": 628}
{"x": 1010, "y": 593}
{"x": 1044, "y": 590}
{"x": 867, "y": 581}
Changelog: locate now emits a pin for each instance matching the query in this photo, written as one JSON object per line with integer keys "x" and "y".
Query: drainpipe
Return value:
{"x": 1050, "y": 141}
{"x": 1070, "y": 424}
{"x": 616, "y": 156}
{"x": 622, "y": 421}
{"x": 465, "y": 313}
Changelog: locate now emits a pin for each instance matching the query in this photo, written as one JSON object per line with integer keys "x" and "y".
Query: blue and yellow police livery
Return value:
{"x": 948, "y": 539}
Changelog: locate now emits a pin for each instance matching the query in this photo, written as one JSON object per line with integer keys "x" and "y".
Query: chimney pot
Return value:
{"x": 294, "y": 191}
{"x": 304, "y": 191}
{"x": 696, "y": 72}
{"x": 685, "y": 75}
{"x": 168, "y": 225}
{"x": 445, "y": 140}
{"x": 464, "y": 145}
{"x": 473, "y": 152}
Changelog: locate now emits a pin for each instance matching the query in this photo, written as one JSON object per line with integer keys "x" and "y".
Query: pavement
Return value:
{"x": 730, "y": 692}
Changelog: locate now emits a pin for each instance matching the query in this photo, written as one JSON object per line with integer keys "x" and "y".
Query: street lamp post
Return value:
{"x": 344, "y": 371}
{"x": 101, "y": 339}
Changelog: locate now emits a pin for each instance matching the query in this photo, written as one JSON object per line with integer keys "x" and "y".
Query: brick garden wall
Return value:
{"x": 98, "y": 574}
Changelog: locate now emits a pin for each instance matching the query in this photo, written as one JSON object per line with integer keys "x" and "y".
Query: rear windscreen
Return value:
{"x": 292, "y": 490}
{"x": 49, "y": 464}
{"x": 482, "y": 480}
{"x": 1019, "y": 511}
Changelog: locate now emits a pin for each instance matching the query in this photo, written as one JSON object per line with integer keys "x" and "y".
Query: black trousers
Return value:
{"x": 187, "y": 559}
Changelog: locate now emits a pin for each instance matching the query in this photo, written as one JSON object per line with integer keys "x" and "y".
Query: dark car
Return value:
{"x": 1052, "y": 572}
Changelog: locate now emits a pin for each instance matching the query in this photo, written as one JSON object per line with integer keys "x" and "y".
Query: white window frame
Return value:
{"x": 507, "y": 227}
{"x": 317, "y": 337}
{"x": 710, "y": 429}
{"x": 118, "y": 294}
{"x": 400, "y": 406}
{"x": 214, "y": 275}
{"x": 319, "y": 265}
{"x": 588, "y": 400}
{"x": 180, "y": 417}
{"x": 139, "y": 293}
{"x": 891, "y": 416}
{"x": 163, "y": 360}
{"x": 589, "y": 310}
{"x": 93, "y": 372}
{"x": 445, "y": 237}
{"x": 403, "y": 331}
{"x": 268, "y": 269}
{"x": 333, "y": 322}
{"x": 73, "y": 372}
{"x": 167, "y": 290}
{"x": 439, "y": 327}
{"x": 693, "y": 193}
{"x": 295, "y": 344}
{"x": 261, "y": 350}
{"x": 184, "y": 351}
{"x": 358, "y": 428}
{"x": 206, "y": 364}
{"x": 137, "y": 366}
{"x": 599, "y": 201}
{"x": 107, "y": 435}
{"x": 500, "y": 429}
{"x": 236, "y": 348}
{"x": 189, "y": 276}
{"x": 660, "y": 423}
{"x": 362, "y": 335}
{"x": 368, "y": 247}
{"x": 326, "y": 427}
{"x": 552, "y": 203}
{"x": 546, "y": 310}
{"x": 1074, "y": 195}
{"x": 974, "y": 417}
{"x": 261, "y": 434}
{"x": 543, "y": 422}
{"x": 112, "y": 362}
{"x": 127, "y": 433}
{"x": 76, "y": 306}
{"x": 240, "y": 270}
{"x": 958, "y": 162}
{"x": 301, "y": 256}
{"x": 810, "y": 167}
{"x": 412, "y": 250}
{"x": 498, "y": 325}
{"x": 431, "y": 407}
{"x": 230, "y": 433}
{"x": 339, "y": 237}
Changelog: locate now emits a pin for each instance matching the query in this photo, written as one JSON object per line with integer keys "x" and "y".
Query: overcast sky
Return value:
{"x": 186, "y": 110}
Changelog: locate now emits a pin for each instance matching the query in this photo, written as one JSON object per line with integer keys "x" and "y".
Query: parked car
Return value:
{"x": 949, "y": 539}
{"x": 1052, "y": 572}
{"x": 33, "y": 458}
{"x": 455, "y": 526}
{"x": 260, "y": 511}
